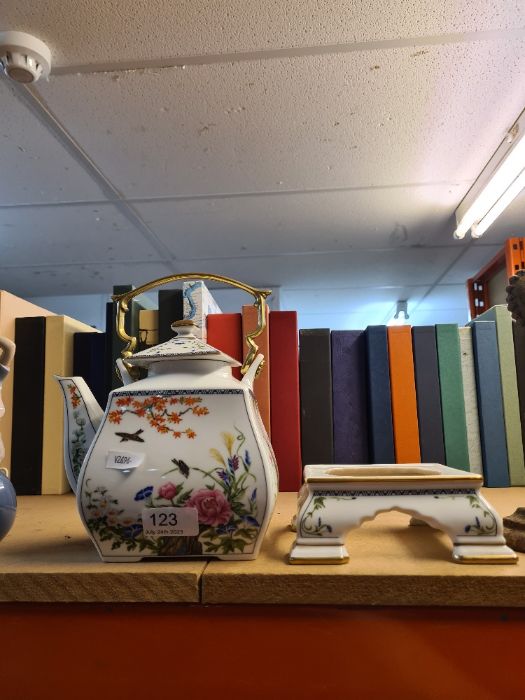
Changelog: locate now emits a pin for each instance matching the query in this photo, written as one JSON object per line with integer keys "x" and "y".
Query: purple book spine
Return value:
{"x": 349, "y": 397}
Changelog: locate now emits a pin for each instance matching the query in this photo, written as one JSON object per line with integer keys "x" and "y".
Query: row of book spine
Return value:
{"x": 434, "y": 394}
{"x": 276, "y": 388}
{"x": 58, "y": 345}
{"x": 440, "y": 393}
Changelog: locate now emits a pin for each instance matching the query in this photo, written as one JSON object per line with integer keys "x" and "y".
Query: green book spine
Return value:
{"x": 452, "y": 398}
{"x": 471, "y": 400}
{"x": 509, "y": 390}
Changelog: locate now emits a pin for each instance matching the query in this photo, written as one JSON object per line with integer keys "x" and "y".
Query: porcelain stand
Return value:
{"x": 336, "y": 499}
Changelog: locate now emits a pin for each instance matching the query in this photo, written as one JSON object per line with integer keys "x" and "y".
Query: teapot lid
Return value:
{"x": 184, "y": 346}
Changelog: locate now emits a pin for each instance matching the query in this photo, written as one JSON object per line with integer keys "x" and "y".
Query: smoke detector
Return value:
{"x": 23, "y": 57}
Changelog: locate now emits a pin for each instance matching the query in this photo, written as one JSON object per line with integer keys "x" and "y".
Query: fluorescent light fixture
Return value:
{"x": 498, "y": 185}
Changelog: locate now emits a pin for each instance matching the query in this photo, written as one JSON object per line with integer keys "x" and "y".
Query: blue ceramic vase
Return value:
{"x": 7, "y": 505}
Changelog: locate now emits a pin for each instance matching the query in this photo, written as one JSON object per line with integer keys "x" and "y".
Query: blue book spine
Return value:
{"x": 349, "y": 399}
{"x": 490, "y": 404}
{"x": 381, "y": 432}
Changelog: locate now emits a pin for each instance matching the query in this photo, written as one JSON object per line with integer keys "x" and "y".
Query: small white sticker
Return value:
{"x": 169, "y": 522}
{"x": 124, "y": 460}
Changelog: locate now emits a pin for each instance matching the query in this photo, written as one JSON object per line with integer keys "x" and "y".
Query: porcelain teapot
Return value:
{"x": 179, "y": 464}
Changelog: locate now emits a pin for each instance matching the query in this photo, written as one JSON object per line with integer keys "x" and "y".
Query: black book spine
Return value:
{"x": 315, "y": 373}
{"x": 109, "y": 363}
{"x": 431, "y": 439}
{"x": 170, "y": 310}
{"x": 28, "y": 406}
{"x": 519, "y": 357}
{"x": 89, "y": 353}
{"x": 490, "y": 404}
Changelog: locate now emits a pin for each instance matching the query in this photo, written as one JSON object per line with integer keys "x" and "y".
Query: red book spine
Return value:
{"x": 284, "y": 398}
{"x": 225, "y": 334}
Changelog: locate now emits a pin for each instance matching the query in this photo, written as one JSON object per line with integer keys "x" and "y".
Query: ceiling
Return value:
{"x": 318, "y": 147}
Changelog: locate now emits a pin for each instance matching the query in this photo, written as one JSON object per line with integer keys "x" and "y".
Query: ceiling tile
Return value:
{"x": 78, "y": 279}
{"x": 364, "y": 119}
{"x": 474, "y": 258}
{"x": 445, "y": 296}
{"x": 35, "y": 167}
{"x": 443, "y": 304}
{"x": 359, "y": 268}
{"x": 511, "y": 223}
{"x": 111, "y": 30}
{"x": 68, "y": 234}
{"x": 307, "y": 222}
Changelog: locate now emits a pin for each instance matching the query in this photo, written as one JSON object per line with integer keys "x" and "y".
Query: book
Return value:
{"x": 115, "y": 345}
{"x": 148, "y": 328}
{"x": 59, "y": 334}
{"x": 471, "y": 400}
{"x": 12, "y": 307}
{"x": 518, "y": 332}
{"x": 381, "y": 432}
{"x": 198, "y": 303}
{"x": 109, "y": 364}
{"x": 349, "y": 397}
{"x": 452, "y": 399}
{"x": 428, "y": 394}
{"x": 225, "y": 334}
{"x": 170, "y": 310}
{"x": 89, "y": 353}
{"x": 261, "y": 386}
{"x": 284, "y": 398}
{"x": 28, "y": 406}
{"x": 315, "y": 378}
{"x": 490, "y": 404}
{"x": 509, "y": 389}
{"x": 403, "y": 387}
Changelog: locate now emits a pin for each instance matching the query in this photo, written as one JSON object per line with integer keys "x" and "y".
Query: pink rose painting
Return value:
{"x": 212, "y": 506}
{"x": 168, "y": 491}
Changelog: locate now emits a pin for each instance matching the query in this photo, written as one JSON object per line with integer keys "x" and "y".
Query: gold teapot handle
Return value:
{"x": 131, "y": 341}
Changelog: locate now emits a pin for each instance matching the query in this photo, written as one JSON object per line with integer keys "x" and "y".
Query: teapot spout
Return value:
{"x": 82, "y": 417}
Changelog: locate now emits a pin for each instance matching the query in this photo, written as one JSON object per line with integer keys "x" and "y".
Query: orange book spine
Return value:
{"x": 261, "y": 385}
{"x": 403, "y": 388}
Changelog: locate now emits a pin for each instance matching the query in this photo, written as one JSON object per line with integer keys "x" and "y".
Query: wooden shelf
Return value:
{"x": 48, "y": 557}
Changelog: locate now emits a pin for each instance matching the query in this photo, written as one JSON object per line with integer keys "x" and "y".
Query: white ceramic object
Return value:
{"x": 7, "y": 492}
{"x": 7, "y": 352}
{"x": 338, "y": 498}
{"x": 180, "y": 464}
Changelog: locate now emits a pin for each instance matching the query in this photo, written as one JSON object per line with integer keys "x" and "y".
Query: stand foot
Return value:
{"x": 124, "y": 560}
{"x": 318, "y": 554}
{"x": 483, "y": 554}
